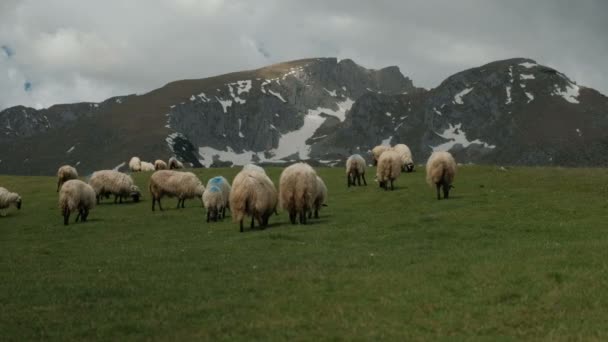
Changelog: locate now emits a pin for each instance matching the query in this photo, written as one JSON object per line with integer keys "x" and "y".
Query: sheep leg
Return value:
{"x": 348, "y": 180}
{"x": 66, "y": 216}
{"x": 310, "y": 214}
{"x": 438, "y": 196}
{"x": 223, "y": 213}
{"x": 316, "y": 213}
{"x": 252, "y": 223}
{"x": 183, "y": 202}
{"x": 392, "y": 185}
{"x": 446, "y": 191}
{"x": 241, "y": 224}
{"x": 364, "y": 182}
{"x": 179, "y": 200}
{"x": 208, "y": 214}
{"x": 78, "y": 215}
{"x": 292, "y": 217}
{"x": 260, "y": 219}
{"x": 120, "y": 199}
{"x": 86, "y": 215}
{"x": 153, "y": 203}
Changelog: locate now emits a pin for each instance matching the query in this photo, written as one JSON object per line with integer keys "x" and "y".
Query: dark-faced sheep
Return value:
{"x": 175, "y": 164}
{"x": 407, "y": 163}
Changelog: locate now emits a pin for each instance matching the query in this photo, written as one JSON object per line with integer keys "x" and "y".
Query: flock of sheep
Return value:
{"x": 302, "y": 193}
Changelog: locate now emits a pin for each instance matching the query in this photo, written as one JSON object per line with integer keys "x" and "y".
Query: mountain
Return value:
{"x": 509, "y": 112}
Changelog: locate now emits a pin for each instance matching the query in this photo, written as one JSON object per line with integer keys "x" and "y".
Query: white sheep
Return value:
{"x": 388, "y": 169}
{"x": 355, "y": 170}
{"x": 440, "y": 172}
{"x": 110, "y": 182}
{"x": 64, "y": 174}
{"x": 224, "y": 185}
{"x": 253, "y": 167}
{"x": 253, "y": 194}
{"x": 135, "y": 164}
{"x": 377, "y": 152}
{"x": 183, "y": 185}
{"x": 8, "y": 198}
{"x": 145, "y": 166}
{"x": 160, "y": 165}
{"x": 76, "y": 195}
{"x": 215, "y": 202}
{"x": 175, "y": 164}
{"x": 298, "y": 190}
{"x": 320, "y": 198}
{"x": 406, "y": 157}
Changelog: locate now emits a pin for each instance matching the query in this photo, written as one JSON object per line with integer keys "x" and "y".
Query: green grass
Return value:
{"x": 521, "y": 254}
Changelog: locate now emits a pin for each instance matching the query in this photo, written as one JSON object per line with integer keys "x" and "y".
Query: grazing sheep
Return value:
{"x": 253, "y": 167}
{"x": 253, "y": 194}
{"x": 110, "y": 182}
{"x": 145, "y": 166}
{"x": 135, "y": 164}
{"x": 298, "y": 190}
{"x": 160, "y": 165}
{"x": 320, "y": 198}
{"x": 215, "y": 202}
{"x": 76, "y": 195}
{"x": 64, "y": 174}
{"x": 406, "y": 157}
{"x": 183, "y": 185}
{"x": 355, "y": 170}
{"x": 8, "y": 198}
{"x": 223, "y": 184}
{"x": 389, "y": 169}
{"x": 377, "y": 152}
{"x": 440, "y": 171}
{"x": 175, "y": 164}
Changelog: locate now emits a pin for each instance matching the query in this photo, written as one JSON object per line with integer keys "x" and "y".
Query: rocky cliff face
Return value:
{"x": 322, "y": 110}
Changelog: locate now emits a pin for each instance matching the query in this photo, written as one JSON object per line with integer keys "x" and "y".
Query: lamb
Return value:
{"x": 298, "y": 190}
{"x": 160, "y": 165}
{"x": 320, "y": 198}
{"x": 76, "y": 195}
{"x": 135, "y": 164}
{"x": 121, "y": 185}
{"x": 406, "y": 157}
{"x": 389, "y": 169}
{"x": 377, "y": 152}
{"x": 355, "y": 170}
{"x": 175, "y": 164}
{"x": 224, "y": 186}
{"x": 215, "y": 202}
{"x": 183, "y": 185}
{"x": 440, "y": 171}
{"x": 145, "y": 166}
{"x": 64, "y": 174}
{"x": 253, "y": 167}
{"x": 253, "y": 194}
{"x": 8, "y": 198}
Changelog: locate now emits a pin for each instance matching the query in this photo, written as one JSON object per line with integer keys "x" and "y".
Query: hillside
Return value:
{"x": 508, "y": 112}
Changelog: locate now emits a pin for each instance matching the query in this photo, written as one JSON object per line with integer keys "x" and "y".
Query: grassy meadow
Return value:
{"x": 516, "y": 254}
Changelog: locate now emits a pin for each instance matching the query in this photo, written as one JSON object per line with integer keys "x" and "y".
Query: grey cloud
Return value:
{"x": 72, "y": 52}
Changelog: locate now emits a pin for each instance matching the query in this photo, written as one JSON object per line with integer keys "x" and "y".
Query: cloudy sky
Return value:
{"x": 58, "y": 51}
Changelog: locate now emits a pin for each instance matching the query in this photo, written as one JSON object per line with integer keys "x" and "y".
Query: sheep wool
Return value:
{"x": 175, "y": 164}
{"x": 407, "y": 164}
{"x": 145, "y": 166}
{"x": 8, "y": 198}
{"x": 377, "y": 152}
{"x": 215, "y": 202}
{"x": 320, "y": 198}
{"x": 76, "y": 195}
{"x": 160, "y": 165}
{"x": 298, "y": 190}
{"x": 388, "y": 169}
{"x": 253, "y": 167}
{"x": 110, "y": 182}
{"x": 224, "y": 186}
{"x": 440, "y": 172}
{"x": 183, "y": 185}
{"x": 253, "y": 194}
{"x": 135, "y": 164}
{"x": 355, "y": 170}
{"x": 64, "y": 174}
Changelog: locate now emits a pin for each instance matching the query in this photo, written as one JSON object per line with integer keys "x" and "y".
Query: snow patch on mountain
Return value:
{"x": 458, "y": 97}
{"x": 225, "y": 104}
{"x": 530, "y": 97}
{"x": 528, "y": 65}
{"x": 277, "y": 95}
{"x": 457, "y": 136}
{"x": 524, "y": 77}
{"x": 508, "y": 88}
{"x": 570, "y": 94}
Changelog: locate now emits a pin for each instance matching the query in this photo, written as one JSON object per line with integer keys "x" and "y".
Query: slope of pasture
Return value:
{"x": 518, "y": 253}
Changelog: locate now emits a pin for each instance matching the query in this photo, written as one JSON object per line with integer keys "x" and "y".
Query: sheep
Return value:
{"x": 388, "y": 169}
{"x": 355, "y": 170}
{"x": 64, "y": 174}
{"x": 145, "y": 166}
{"x": 121, "y": 185}
{"x": 160, "y": 165}
{"x": 320, "y": 198}
{"x": 183, "y": 185}
{"x": 253, "y": 167}
{"x": 440, "y": 171}
{"x": 135, "y": 164}
{"x": 215, "y": 202}
{"x": 406, "y": 157}
{"x": 175, "y": 164}
{"x": 224, "y": 186}
{"x": 8, "y": 198}
{"x": 298, "y": 190}
{"x": 253, "y": 194}
{"x": 377, "y": 152}
{"x": 76, "y": 195}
